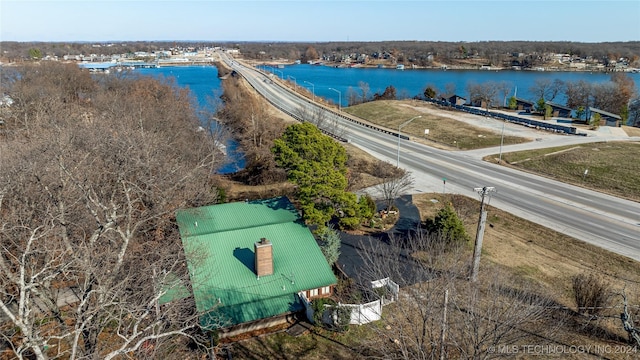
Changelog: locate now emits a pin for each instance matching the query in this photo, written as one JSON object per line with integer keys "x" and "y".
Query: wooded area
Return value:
{"x": 417, "y": 52}
{"x": 92, "y": 171}
{"x": 495, "y": 52}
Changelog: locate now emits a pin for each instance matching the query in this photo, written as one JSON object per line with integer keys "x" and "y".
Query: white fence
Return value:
{"x": 360, "y": 313}
{"x": 366, "y": 313}
{"x": 390, "y": 290}
{"x": 363, "y": 313}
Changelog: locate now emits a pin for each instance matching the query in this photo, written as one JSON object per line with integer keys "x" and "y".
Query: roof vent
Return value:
{"x": 263, "y": 257}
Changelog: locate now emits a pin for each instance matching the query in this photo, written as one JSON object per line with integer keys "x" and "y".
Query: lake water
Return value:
{"x": 206, "y": 89}
{"x": 204, "y": 84}
{"x": 412, "y": 82}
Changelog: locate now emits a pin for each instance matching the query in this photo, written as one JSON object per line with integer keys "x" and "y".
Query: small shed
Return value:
{"x": 479, "y": 103}
{"x": 524, "y": 105}
{"x": 559, "y": 110}
{"x": 606, "y": 118}
{"x": 456, "y": 100}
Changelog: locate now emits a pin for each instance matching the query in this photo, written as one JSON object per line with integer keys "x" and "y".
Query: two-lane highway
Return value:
{"x": 605, "y": 221}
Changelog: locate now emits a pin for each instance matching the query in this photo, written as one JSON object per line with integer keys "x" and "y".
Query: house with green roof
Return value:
{"x": 248, "y": 262}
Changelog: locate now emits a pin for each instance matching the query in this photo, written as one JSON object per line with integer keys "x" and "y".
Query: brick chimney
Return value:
{"x": 264, "y": 257}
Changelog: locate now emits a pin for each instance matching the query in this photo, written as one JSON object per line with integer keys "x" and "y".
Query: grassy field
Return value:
{"x": 612, "y": 167}
{"x": 443, "y": 131}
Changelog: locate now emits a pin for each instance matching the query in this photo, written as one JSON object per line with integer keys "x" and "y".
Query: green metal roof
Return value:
{"x": 174, "y": 289}
{"x": 218, "y": 242}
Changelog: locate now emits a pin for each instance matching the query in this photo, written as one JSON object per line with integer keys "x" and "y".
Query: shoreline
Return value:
{"x": 441, "y": 67}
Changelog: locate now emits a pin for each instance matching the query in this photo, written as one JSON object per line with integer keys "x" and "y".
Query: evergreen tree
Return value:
{"x": 449, "y": 225}
{"x": 540, "y": 105}
{"x": 429, "y": 93}
{"x": 35, "y": 53}
{"x": 317, "y": 165}
{"x": 330, "y": 244}
{"x": 367, "y": 207}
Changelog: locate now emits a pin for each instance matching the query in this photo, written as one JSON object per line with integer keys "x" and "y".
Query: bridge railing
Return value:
{"x": 337, "y": 137}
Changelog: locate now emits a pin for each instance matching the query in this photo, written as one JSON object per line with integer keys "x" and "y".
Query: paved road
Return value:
{"x": 605, "y": 221}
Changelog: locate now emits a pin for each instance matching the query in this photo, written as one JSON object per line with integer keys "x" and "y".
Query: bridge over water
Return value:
{"x": 102, "y": 66}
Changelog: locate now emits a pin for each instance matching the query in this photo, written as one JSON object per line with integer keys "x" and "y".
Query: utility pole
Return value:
{"x": 477, "y": 249}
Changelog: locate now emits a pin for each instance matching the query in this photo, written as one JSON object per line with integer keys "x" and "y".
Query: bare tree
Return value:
{"x": 255, "y": 128}
{"x": 450, "y": 89}
{"x": 627, "y": 322}
{"x": 604, "y": 97}
{"x": 579, "y": 94}
{"x": 547, "y": 89}
{"x": 318, "y": 117}
{"x": 424, "y": 269}
{"x": 91, "y": 261}
{"x": 483, "y": 94}
{"x": 481, "y": 317}
{"x": 504, "y": 88}
{"x": 352, "y": 96}
{"x": 322, "y": 119}
{"x": 364, "y": 89}
{"x": 394, "y": 185}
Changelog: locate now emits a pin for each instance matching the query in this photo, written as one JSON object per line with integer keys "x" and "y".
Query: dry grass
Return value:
{"x": 631, "y": 131}
{"x": 612, "y": 166}
{"x": 445, "y": 131}
{"x": 540, "y": 253}
{"x": 315, "y": 345}
{"x": 549, "y": 260}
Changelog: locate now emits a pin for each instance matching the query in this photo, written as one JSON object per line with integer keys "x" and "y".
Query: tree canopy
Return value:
{"x": 317, "y": 165}
{"x": 88, "y": 191}
{"x": 429, "y": 93}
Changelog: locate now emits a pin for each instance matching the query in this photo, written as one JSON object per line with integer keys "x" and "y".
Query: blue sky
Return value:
{"x": 307, "y": 20}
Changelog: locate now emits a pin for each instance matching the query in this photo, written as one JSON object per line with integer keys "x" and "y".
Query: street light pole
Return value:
{"x": 313, "y": 90}
{"x": 281, "y": 74}
{"x": 400, "y": 128}
{"x": 501, "y": 141}
{"x": 339, "y": 98}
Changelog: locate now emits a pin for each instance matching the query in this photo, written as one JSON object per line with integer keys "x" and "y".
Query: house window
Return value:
{"x": 326, "y": 290}
{"x": 313, "y": 292}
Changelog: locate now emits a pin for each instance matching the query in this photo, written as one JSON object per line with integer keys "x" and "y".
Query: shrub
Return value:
{"x": 591, "y": 293}
{"x": 367, "y": 207}
{"x": 429, "y": 93}
{"x": 449, "y": 225}
{"x": 343, "y": 315}
{"x": 318, "y": 306}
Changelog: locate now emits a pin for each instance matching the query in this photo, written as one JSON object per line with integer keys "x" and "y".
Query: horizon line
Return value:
{"x": 319, "y": 41}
